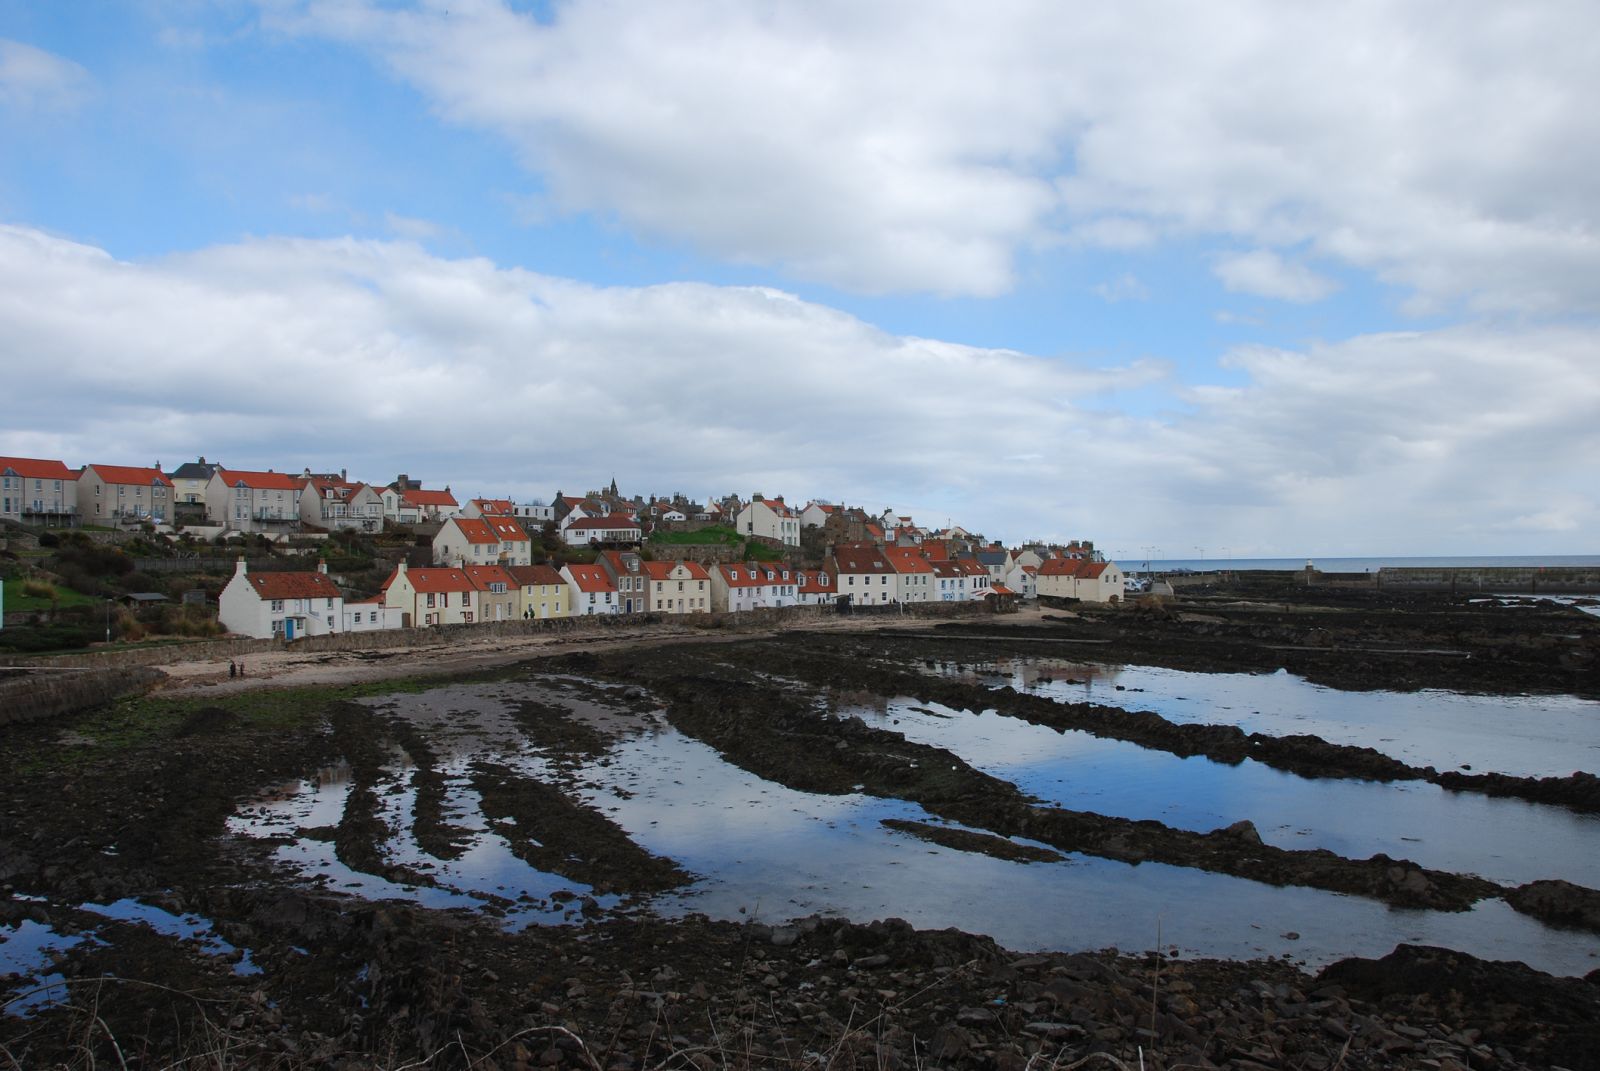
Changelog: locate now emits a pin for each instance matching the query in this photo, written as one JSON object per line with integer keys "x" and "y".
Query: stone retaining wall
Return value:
{"x": 47, "y": 694}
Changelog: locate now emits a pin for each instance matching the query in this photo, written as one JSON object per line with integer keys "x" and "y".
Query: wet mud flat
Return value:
{"x": 481, "y": 872}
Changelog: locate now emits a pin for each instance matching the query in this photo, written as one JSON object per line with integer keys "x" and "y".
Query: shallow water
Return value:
{"x": 183, "y": 927}
{"x": 1530, "y": 736}
{"x": 1503, "y": 840}
{"x": 758, "y": 848}
{"x": 27, "y": 952}
{"x": 763, "y": 849}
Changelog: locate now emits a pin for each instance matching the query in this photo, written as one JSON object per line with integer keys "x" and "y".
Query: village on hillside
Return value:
{"x": 205, "y": 549}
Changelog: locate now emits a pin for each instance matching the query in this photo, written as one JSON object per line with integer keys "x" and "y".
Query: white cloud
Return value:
{"x": 1448, "y": 148}
{"x": 1265, "y": 274}
{"x": 33, "y": 80}
{"x": 380, "y": 357}
{"x": 1125, "y": 287}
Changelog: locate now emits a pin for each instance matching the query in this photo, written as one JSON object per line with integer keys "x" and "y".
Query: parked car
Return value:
{"x": 1135, "y": 584}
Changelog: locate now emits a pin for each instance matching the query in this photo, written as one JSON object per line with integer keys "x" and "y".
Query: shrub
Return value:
{"x": 27, "y": 639}
{"x": 38, "y": 589}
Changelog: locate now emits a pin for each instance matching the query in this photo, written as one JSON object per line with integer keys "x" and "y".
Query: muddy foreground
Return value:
{"x": 133, "y": 804}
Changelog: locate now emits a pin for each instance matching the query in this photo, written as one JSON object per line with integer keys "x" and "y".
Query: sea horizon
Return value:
{"x": 1370, "y": 563}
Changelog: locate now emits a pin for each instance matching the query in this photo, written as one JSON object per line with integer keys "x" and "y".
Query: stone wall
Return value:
{"x": 47, "y": 694}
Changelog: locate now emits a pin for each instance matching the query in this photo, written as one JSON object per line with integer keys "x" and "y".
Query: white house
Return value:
{"x": 618, "y": 528}
{"x": 769, "y": 517}
{"x": 592, "y": 590}
{"x": 815, "y": 587}
{"x": 953, "y": 584}
{"x": 743, "y": 586}
{"x": 914, "y": 574}
{"x": 370, "y": 615}
{"x": 863, "y": 574}
{"x": 280, "y": 605}
{"x": 816, "y": 514}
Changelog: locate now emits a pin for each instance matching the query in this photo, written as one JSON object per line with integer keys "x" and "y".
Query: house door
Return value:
{"x": 288, "y": 628}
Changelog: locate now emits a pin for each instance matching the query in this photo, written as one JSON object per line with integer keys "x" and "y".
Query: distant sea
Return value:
{"x": 1360, "y": 565}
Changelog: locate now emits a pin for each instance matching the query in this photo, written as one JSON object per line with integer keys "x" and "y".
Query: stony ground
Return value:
{"x": 133, "y": 801}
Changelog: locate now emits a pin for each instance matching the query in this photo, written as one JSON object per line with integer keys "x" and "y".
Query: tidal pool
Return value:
{"x": 759, "y": 849}
{"x": 1528, "y": 736}
{"x": 1504, "y": 840}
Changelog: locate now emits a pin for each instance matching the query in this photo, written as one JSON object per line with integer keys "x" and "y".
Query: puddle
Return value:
{"x": 183, "y": 927}
{"x": 463, "y": 724}
{"x": 1504, "y": 840}
{"x": 27, "y": 954}
{"x": 1529, "y": 736}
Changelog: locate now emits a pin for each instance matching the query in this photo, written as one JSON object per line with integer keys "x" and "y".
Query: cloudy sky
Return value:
{"x": 1244, "y": 278}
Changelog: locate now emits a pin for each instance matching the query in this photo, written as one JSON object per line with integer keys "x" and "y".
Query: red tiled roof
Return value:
{"x": 433, "y": 580}
{"x": 738, "y": 575}
{"x": 125, "y": 474}
{"x": 811, "y": 584}
{"x": 507, "y": 531}
{"x": 857, "y": 559}
{"x": 292, "y": 585}
{"x": 1060, "y": 567}
{"x": 484, "y": 575}
{"x": 429, "y": 498}
{"x": 663, "y": 570}
{"x": 35, "y": 468}
{"x": 1000, "y": 589}
{"x": 534, "y": 574}
{"x": 474, "y": 530}
{"x": 907, "y": 560}
{"x": 500, "y": 507}
{"x": 259, "y": 481}
{"x": 1091, "y": 570}
{"x": 590, "y": 578}
{"x": 971, "y": 567}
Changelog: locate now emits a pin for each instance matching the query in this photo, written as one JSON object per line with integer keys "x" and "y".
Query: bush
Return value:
{"x": 38, "y": 589}
{"x": 34, "y": 639}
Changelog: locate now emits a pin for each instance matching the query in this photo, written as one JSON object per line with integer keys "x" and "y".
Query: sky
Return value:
{"x": 1235, "y": 279}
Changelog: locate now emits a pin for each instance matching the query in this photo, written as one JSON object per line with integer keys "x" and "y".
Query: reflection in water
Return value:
{"x": 767, "y": 850}
{"x": 760, "y": 848}
{"x": 1530, "y": 736}
{"x": 1503, "y": 840}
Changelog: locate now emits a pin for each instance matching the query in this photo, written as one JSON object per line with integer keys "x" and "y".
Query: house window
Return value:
{"x": 430, "y": 600}
{"x": 374, "y": 617}
{"x": 277, "y": 606}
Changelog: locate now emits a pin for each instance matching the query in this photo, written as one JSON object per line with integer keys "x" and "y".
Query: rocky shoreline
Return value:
{"x": 131, "y": 805}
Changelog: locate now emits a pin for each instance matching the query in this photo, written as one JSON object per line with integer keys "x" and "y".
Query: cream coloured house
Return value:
{"x": 108, "y": 494}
